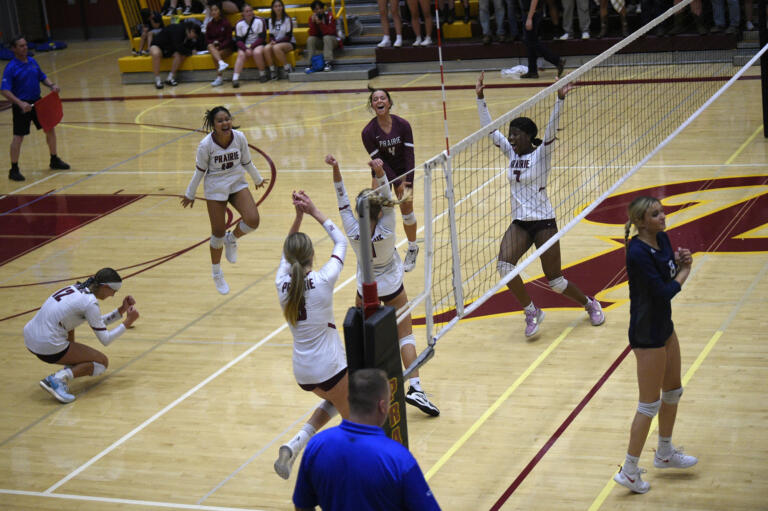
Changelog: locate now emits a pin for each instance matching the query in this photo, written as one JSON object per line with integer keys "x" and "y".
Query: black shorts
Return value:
{"x": 327, "y": 385}
{"x": 22, "y": 120}
{"x": 51, "y": 359}
{"x": 387, "y": 298}
{"x": 532, "y": 227}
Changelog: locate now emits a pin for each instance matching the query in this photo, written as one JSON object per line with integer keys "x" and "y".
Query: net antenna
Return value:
{"x": 626, "y": 107}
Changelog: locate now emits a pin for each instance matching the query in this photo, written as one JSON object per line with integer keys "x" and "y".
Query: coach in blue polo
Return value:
{"x": 355, "y": 466}
{"x": 21, "y": 86}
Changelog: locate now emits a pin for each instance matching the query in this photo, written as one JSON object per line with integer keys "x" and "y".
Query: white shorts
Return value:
{"x": 319, "y": 361}
{"x": 220, "y": 186}
{"x": 43, "y": 342}
{"x": 386, "y": 283}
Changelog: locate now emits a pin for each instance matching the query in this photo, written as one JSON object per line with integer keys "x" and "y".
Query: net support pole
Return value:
{"x": 761, "y": 19}
{"x": 458, "y": 288}
{"x": 370, "y": 293}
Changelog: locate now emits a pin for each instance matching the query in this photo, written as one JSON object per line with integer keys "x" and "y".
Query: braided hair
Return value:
{"x": 299, "y": 253}
{"x": 636, "y": 211}
{"x": 102, "y": 276}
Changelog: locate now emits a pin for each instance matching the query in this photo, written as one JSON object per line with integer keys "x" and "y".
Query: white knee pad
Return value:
{"x": 408, "y": 339}
{"x": 409, "y": 219}
{"x": 649, "y": 409}
{"x": 558, "y": 285}
{"x": 504, "y": 268}
{"x": 217, "y": 242}
{"x": 328, "y": 408}
{"x": 245, "y": 227}
{"x": 98, "y": 369}
{"x": 672, "y": 397}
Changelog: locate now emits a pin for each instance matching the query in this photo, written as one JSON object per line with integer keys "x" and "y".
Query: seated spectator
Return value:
{"x": 385, "y": 7}
{"x": 218, "y": 36}
{"x": 281, "y": 41}
{"x": 322, "y": 33}
{"x": 179, "y": 41}
{"x": 355, "y": 466}
{"x": 250, "y": 33}
{"x": 151, "y": 25}
{"x": 718, "y": 13}
{"x": 413, "y": 6}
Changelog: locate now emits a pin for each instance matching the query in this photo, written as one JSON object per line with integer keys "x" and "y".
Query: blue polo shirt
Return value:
{"x": 356, "y": 467}
{"x": 23, "y": 79}
{"x": 651, "y": 275}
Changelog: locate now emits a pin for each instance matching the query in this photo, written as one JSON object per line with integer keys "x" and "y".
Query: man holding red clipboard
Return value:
{"x": 21, "y": 86}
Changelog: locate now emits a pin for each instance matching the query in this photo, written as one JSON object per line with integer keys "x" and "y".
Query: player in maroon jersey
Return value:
{"x": 389, "y": 138}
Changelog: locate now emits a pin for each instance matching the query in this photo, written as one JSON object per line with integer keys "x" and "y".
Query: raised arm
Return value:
{"x": 348, "y": 219}
{"x": 332, "y": 268}
{"x": 498, "y": 139}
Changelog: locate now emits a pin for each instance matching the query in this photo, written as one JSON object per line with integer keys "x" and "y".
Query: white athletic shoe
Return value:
{"x": 230, "y": 247}
{"x": 57, "y": 388}
{"x": 385, "y": 42}
{"x": 427, "y": 41}
{"x": 632, "y": 481}
{"x": 417, "y": 42}
{"x": 222, "y": 66}
{"x": 398, "y": 41}
{"x": 410, "y": 257}
{"x": 595, "y": 311}
{"x": 221, "y": 284}
{"x": 675, "y": 460}
{"x": 585, "y": 35}
{"x": 284, "y": 462}
{"x": 419, "y": 399}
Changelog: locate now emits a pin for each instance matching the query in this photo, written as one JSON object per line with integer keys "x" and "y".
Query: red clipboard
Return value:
{"x": 49, "y": 111}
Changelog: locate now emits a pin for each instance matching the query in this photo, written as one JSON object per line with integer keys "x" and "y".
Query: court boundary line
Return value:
{"x": 113, "y": 500}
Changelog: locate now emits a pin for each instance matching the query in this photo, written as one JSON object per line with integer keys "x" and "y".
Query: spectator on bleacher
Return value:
{"x": 485, "y": 19}
{"x": 681, "y": 25}
{"x": 151, "y": 25}
{"x": 21, "y": 86}
{"x": 322, "y": 33}
{"x": 281, "y": 40}
{"x": 532, "y": 8}
{"x": 621, "y": 8}
{"x": 250, "y": 33}
{"x": 178, "y": 40}
{"x": 218, "y": 36}
{"x": 170, "y": 7}
{"x": 718, "y": 13}
{"x": 413, "y": 6}
{"x": 582, "y": 8}
{"x": 393, "y": 6}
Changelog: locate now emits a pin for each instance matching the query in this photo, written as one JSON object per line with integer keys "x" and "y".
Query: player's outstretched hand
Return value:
{"x": 264, "y": 182}
{"x": 132, "y": 316}
{"x": 565, "y": 89}
{"x": 479, "y": 87}
{"x": 187, "y": 202}
{"x": 378, "y": 166}
{"x": 330, "y": 160}
{"x": 128, "y": 301}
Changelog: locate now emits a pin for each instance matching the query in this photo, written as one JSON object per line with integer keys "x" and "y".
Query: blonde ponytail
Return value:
{"x": 636, "y": 211}
{"x": 627, "y": 228}
{"x": 298, "y": 252}
{"x": 377, "y": 201}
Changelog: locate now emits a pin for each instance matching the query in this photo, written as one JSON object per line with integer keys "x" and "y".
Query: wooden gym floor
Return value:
{"x": 200, "y": 394}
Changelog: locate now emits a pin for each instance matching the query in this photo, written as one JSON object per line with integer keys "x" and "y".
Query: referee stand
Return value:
{"x": 370, "y": 335}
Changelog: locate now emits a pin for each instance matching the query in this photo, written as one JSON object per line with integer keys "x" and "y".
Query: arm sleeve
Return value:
{"x": 416, "y": 492}
{"x": 194, "y": 183}
{"x": 332, "y": 268}
{"x": 498, "y": 139}
{"x": 94, "y": 318}
{"x": 111, "y": 317}
{"x": 261, "y": 34}
{"x": 348, "y": 219}
{"x": 551, "y": 131}
{"x": 245, "y": 157}
{"x": 643, "y": 263}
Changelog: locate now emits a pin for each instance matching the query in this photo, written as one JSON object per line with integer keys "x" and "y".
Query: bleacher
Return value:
{"x": 139, "y": 69}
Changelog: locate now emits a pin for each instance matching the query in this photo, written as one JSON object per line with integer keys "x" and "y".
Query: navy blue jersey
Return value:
{"x": 651, "y": 275}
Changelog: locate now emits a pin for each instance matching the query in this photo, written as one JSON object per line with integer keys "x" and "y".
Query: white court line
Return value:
{"x": 46, "y": 178}
{"x": 111, "y": 500}
{"x": 184, "y": 396}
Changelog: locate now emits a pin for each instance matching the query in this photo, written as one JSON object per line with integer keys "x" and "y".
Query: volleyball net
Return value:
{"x": 624, "y": 108}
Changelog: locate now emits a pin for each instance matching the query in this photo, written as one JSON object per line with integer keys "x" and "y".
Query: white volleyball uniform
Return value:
{"x": 318, "y": 354}
{"x": 223, "y": 166}
{"x": 527, "y": 173}
{"x": 387, "y": 266}
{"x": 46, "y": 333}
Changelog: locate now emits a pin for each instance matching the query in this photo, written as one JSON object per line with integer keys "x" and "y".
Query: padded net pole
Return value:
{"x": 370, "y": 293}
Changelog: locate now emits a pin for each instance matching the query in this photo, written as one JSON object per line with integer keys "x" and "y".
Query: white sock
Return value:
{"x": 170, "y": 76}
{"x": 272, "y": 69}
{"x": 235, "y": 76}
{"x": 665, "y": 446}
{"x": 216, "y": 268}
{"x": 530, "y": 307}
{"x": 298, "y": 442}
{"x": 262, "y": 73}
{"x": 63, "y": 374}
{"x": 412, "y": 244}
{"x": 630, "y": 464}
{"x": 415, "y": 383}
{"x": 287, "y": 67}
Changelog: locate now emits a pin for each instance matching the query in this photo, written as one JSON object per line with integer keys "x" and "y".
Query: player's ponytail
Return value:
{"x": 636, "y": 211}
{"x": 298, "y": 252}
{"x": 376, "y": 201}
